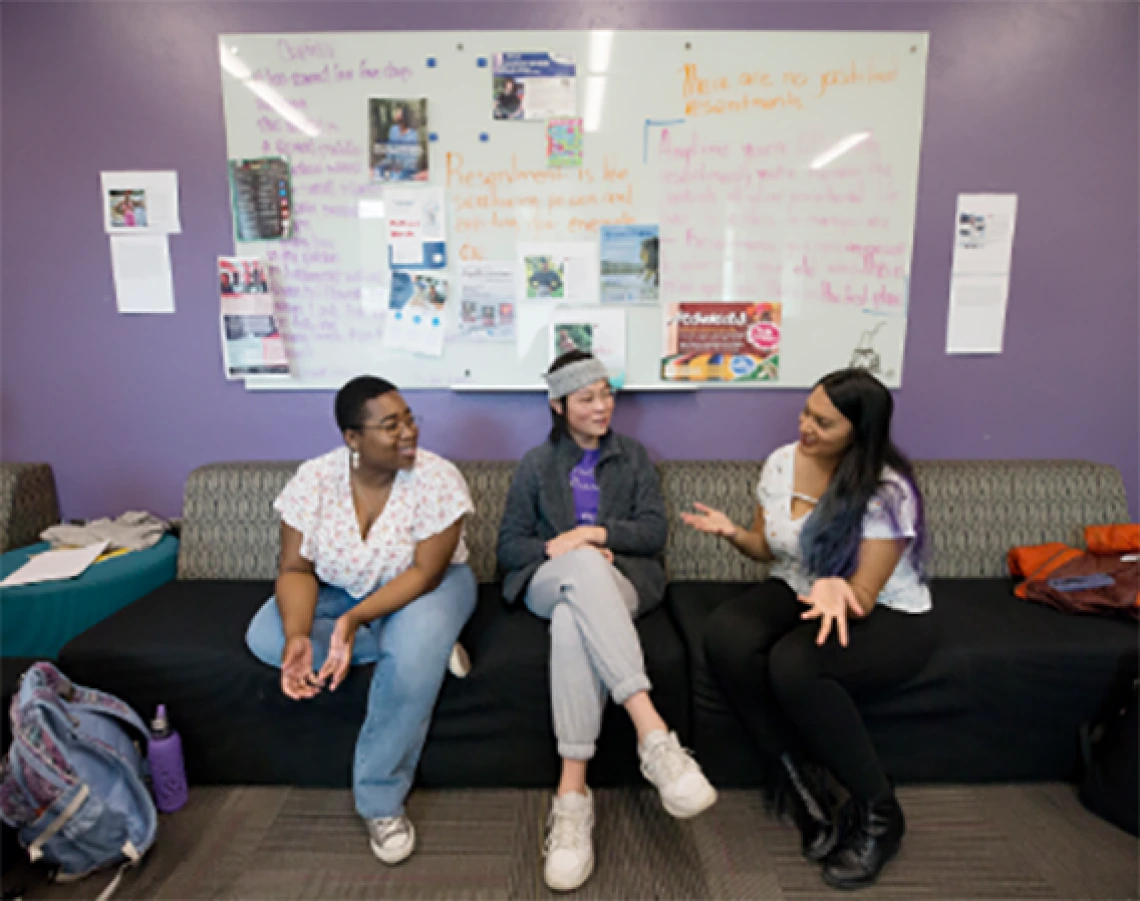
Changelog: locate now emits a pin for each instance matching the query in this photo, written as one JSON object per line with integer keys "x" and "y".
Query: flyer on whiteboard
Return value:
{"x": 533, "y": 86}
{"x": 722, "y": 342}
{"x": 252, "y": 343}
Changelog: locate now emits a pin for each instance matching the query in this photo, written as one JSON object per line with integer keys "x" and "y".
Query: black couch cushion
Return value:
{"x": 1001, "y": 698}
{"x": 184, "y": 645}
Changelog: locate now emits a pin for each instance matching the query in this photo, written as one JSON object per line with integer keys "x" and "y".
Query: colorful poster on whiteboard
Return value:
{"x": 722, "y": 342}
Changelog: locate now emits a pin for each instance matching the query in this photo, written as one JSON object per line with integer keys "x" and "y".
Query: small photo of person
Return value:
{"x": 573, "y": 336}
{"x": 544, "y": 278}
{"x": 428, "y": 293}
{"x": 506, "y": 314}
{"x": 650, "y": 263}
{"x": 508, "y": 96}
{"x": 128, "y": 208}
{"x": 398, "y": 139}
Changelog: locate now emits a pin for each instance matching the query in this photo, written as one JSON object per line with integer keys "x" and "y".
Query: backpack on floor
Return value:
{"x": 1109, "y": 787}
{"x": 72, "y": 783}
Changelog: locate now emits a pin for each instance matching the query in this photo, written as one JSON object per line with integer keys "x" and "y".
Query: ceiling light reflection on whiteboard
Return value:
{"x": 601, "y": 46}
{"x": 839, "y": 148}
{"x": 239, "y": 70}
{"x": 595, "y": 99}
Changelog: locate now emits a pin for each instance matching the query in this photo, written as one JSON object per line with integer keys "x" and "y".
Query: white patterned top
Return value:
{"x": 317, "y": 502}
{"x": 904, "y": 590}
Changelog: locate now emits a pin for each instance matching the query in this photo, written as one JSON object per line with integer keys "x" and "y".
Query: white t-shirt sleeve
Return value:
{"x": 299, "y": 505}
{"x": 892, "y": 512}
{"x": 444, "y": 498}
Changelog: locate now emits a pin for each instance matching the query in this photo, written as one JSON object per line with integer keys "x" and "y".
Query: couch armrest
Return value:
{"x": 28, "y": 503}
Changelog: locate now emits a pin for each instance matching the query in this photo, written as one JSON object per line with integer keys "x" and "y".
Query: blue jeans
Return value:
{"x": 410, "y": 649}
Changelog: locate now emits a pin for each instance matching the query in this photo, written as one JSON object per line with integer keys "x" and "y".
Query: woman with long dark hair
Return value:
{"x": 580, "y": 545}
{"x": 839, "y": 516}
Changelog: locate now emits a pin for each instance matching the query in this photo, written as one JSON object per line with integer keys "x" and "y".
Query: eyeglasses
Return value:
{"x": 393, "y": 428}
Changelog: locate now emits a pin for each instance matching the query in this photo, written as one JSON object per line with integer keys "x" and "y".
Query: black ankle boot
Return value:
{"x": 872, "y": 833}
{"x": 802, "y": 794}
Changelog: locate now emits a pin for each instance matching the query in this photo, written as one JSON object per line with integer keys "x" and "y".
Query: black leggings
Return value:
{"x": 794, "y": 696}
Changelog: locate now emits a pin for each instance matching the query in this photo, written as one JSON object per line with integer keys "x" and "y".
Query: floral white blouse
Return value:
{"x": 317, "y": 502}
{"x": 904, "y": 590}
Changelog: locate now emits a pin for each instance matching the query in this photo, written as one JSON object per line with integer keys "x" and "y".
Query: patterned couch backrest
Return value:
{"x": 728, "y": 485}
{"x": 975, "y": 510}
{"x": 230, "y": 530}
{"x": 229, "y": 527}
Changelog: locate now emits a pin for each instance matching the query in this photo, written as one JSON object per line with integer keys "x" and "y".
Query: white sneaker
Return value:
{"x": 569, "y": 845}
{"x": 393, "y": 839}
{"x": 459, "y": 663}
{"x": 685, "y": 791}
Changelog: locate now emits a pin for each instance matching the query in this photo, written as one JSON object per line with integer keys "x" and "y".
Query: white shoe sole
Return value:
{"x": 555, "y": 886}
{"x": 706, "y": 800}
{"x": 459, "y": 663}
{"x": 390, "y": 858}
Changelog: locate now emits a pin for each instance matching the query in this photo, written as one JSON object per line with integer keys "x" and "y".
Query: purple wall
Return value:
{"x": 1036, "y": 98}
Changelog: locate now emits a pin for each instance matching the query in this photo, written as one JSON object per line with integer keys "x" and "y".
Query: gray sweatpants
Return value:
{"x": 593, "y": 645}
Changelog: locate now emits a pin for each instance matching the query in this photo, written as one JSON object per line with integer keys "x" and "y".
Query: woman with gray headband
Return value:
{"x": 580, "y": 543}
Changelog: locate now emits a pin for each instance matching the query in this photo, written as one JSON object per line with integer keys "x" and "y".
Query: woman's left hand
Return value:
{"x": 571, "y": 541}
{"x": 340, "y": 653}
{"x": 830, "y": 601}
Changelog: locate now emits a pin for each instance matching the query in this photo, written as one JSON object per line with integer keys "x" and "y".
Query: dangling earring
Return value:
{"x": 356, "y": 459}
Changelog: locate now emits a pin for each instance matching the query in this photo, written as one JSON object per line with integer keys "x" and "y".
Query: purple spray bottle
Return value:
{"x": 167, "y": 771}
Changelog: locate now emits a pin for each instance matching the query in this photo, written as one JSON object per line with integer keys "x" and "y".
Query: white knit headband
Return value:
{"x": 577, "y": 375}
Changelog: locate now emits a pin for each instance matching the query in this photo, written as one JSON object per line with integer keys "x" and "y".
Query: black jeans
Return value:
{"x": 792, "y": 695}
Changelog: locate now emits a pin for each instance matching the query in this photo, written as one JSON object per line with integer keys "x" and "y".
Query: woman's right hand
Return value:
{"x": 298, "y": 681}
{"x": 709, "y": 521}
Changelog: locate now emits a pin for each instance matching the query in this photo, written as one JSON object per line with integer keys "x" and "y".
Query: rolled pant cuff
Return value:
{"x": 576, "y": 750}
{"x": 627, "y": 688}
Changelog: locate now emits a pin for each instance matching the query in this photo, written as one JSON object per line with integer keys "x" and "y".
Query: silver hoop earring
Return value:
{"x": 356, "y": 459}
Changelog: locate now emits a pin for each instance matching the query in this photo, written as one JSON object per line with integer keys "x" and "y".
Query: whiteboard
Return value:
{"x": 779, "y": 166}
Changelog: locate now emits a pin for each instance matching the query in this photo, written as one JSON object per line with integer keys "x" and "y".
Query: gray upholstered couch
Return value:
{"x": 1002, "y": 697}
{"x": 28, "y": 503}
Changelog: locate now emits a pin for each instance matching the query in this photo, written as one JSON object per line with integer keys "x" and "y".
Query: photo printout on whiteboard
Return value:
{"x": 140, "y": 266}
{"x": 564, "y": 143}
{"x": 533, "y": 86}
{"x": 417, "y": 233}
{"x": 555, "y": 270}
{"x": 261, "y": 191}
{"x": 252, "y": 343}
{"x": 398, "y": 139}
{"x": 722, "y": 342}
{"x": 595, "y": 331}
{"x": 487, "y": 301}
{"x": 416, "y": 304}
{"x": 140, "y": 203}
{"x": 630, "y": 267}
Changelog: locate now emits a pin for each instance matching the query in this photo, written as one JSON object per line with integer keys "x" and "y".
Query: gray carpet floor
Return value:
{"x": 1025, "y": 841}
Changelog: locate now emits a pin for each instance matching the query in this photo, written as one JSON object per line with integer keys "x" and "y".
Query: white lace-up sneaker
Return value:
{"x": 393, "y": 839}
{"x": 685, "y": 791}
{"x": 569, "y": 846}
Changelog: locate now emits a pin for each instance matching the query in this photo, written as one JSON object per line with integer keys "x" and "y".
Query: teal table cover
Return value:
{"x": 38, "y": 620}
